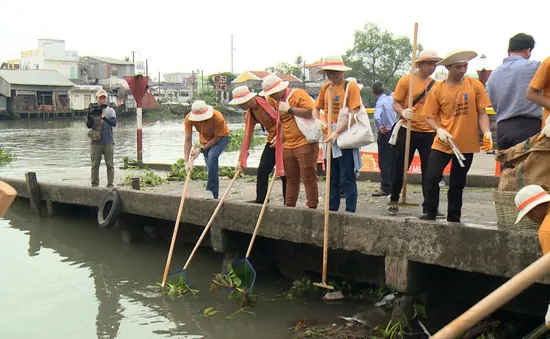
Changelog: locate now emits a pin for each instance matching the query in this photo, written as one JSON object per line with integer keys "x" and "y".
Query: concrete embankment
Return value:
{"x": 402, "y": 252}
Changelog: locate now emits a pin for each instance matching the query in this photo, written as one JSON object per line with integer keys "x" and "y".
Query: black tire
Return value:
{"x": 109, "y": 210}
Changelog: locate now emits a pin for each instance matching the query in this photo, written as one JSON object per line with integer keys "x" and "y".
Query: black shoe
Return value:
{"x": 427, "y": 217}
{"x": 393, "y": 210}
{"x": 439, "y": 215}
{"x": 449, "y": 219}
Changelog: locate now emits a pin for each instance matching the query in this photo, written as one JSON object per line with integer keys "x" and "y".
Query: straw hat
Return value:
{"x": 428, "y": 55}
{"x": 528, "y": 198}
{"x": 241, "y": 95}
{"x": 334, "y": 63}
{"x": 200, "y": 111}
{"x": 352, "y": 79}
{"x": 457, "y": 56}
{"x": 272, "y": 84}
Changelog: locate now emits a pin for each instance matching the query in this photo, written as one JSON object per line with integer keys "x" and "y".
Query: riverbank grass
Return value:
{"x": 6, "y": 157}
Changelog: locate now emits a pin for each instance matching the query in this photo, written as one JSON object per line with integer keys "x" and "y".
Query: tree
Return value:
{"x": 377, "y": 55}
{"x": 286, "y": 68}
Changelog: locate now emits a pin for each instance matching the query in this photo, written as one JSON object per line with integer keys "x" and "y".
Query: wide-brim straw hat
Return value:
{"x": 528, "y": 198}
{"x": 456, "y": 57}
{"x": 200, "y": 111}
{"x": 428, "y": 55}
{"x": 241, "y": 95}
{"x": 352, "y": 79}
{"x": 334, "y": 63}
{"x": 273, "y": 84}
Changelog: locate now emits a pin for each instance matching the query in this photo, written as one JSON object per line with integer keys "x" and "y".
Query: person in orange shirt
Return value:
{"x": 454, "y": 109}
{"x": 259, "y": 111}
{"x": 422, "y": 136}
{"x": 299, "y": 155}
{"x": 214, "y": 138}
{"x": 345, "y": 163}
{"x": 532, "y": 201}
{"x": 539, "y": 89}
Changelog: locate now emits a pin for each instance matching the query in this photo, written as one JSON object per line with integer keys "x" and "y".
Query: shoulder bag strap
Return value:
{"x": 421, "y": 95}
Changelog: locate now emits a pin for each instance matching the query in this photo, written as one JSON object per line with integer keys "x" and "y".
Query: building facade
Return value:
{"x": 51, "y": 55}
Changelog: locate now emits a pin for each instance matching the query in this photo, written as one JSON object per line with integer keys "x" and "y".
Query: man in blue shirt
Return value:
{"x": 518, "y": 119}
{"x": 103, "y": 142}
{"x": 384, "y": 118}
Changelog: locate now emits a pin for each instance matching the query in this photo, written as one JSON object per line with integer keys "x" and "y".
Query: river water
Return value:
{"x": 66, "y": 278}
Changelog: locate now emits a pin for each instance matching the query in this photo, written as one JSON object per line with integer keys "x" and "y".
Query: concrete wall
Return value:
{"x": 391, "y": 246}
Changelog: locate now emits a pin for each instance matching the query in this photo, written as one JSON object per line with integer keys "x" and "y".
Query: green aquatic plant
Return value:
{"x": 147, "y": 179}
{"x": 300, "y": 288}
{"x": 180, "y": 288}
{"x": 237, "y": 138}
{"x": 6, "y": 157}
{"x": 237, "y": 287}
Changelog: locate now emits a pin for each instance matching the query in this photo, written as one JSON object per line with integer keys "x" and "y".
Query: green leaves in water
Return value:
{"x": 180, "y": 288}
{"x": 300, "y": 288}
{"x": 238, "y": 280}
{"x": 6, "y": 157}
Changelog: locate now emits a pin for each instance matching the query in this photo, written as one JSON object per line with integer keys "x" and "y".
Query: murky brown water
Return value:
{"x": 65, "y": 278}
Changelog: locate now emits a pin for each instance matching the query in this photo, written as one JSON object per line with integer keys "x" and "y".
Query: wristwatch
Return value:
{"x": 289, "y": 110}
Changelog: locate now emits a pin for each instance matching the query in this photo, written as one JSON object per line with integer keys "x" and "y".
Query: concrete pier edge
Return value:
{"x": 389, "y": 249}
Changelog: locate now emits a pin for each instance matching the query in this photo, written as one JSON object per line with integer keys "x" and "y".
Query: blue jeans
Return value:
{"x": 342, "y": 171}
{"x": 211, "y": 157}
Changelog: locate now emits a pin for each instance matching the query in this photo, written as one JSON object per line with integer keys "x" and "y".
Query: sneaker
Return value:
{"x": 111, "y": 186}
{"x": 427, "y": 217}
{"x": 208, "y": 195}
{"x": 380, "y": 193}
{"x": 393, "y": 210}
{"x": 453, "y": 219}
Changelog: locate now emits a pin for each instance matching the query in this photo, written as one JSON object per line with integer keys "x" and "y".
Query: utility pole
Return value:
{"x": 146, "y": 67}
{"x": 231, "y": 53}
{"x": 133, "y": 59}
{"x": 202, "y": 81}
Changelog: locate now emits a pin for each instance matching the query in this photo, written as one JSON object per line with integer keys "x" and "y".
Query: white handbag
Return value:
{"x": 308, "y": 127}
{"x": 360, "y": 133}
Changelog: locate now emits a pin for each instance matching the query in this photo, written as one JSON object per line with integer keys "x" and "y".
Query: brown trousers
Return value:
{"x": 301, "y": 162}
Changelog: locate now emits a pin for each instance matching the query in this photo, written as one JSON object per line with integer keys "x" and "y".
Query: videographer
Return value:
{"x": 100, "y": 120}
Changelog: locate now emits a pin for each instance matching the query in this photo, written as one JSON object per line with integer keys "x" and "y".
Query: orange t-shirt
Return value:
{"x": 541, "y": 82}
{"x": 208, "y": 129}
{"x": 455, "y": 110}
{"x": 401, "y": 94}
{"x": 291, "y": 133}
{"x": 544, "y": 232}
{"x": 263, "y": 118}
{"x": 353, "y": 99}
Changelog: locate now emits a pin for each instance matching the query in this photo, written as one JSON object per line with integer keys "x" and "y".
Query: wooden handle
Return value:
{"x": 273, "y": 178}
{"x": 176, "y": 227}
{"x": 211, "y": 221}
{"x": 408, "y": 135}
{"x": 327, "y": 185}
{"x": 496, "y": 299}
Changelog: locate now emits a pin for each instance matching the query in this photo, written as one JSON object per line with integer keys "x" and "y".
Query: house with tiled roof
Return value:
{"x": 311, "y": 71}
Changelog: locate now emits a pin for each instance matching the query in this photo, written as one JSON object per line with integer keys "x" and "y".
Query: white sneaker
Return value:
{"x": 208, "y": 195}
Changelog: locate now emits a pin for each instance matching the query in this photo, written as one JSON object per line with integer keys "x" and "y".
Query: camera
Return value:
{"x": 96, "y": 109}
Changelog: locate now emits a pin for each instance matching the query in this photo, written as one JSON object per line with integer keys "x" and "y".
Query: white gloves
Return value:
{"x": 487, "y": 141}
{"x": 332, "y": 137}
{"x": 283, "y": 106}
{"x": 188, "y": 166}
{"x": 547, "y": 317}
{"x": 238, "y": 166}
{"x": 407, "y": 113}
{"x": 273, "y": 142}
{"x": 321, "y": 123}
{"x": 443, "y": 135}
{"x": 546, "y": 131}
{"x": 195, "y": 153}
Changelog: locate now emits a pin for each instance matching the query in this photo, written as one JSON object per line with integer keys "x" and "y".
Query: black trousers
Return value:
{"x": 421, "y": 141}
{"x": 267, "y": 163}
{"x": 385, "y": 161}
{"x": 512, "y": 131}
{"x": 457, "y": 181}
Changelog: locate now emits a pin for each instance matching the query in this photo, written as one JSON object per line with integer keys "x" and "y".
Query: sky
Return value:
{"x": 180, "y": 36}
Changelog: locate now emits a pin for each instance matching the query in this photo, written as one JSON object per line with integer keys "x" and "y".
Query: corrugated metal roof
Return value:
{"x": 112, "y": 61}
{"x": 35, "y": 77}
